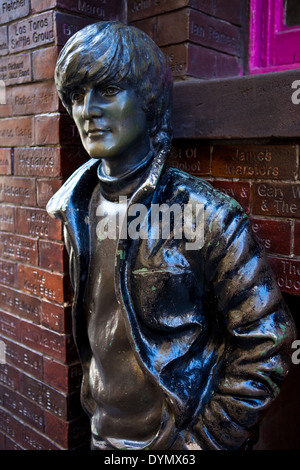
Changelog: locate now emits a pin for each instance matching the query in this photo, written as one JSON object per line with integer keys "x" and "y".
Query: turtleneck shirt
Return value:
{"x": 124, "y": 404}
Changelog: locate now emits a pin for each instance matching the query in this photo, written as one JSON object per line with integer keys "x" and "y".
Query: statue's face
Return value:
{"x": 112, "y": 125}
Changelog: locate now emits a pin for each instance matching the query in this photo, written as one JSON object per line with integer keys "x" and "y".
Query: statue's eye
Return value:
{"x": 111, "y": 90}
{"x": 77, "y": 96}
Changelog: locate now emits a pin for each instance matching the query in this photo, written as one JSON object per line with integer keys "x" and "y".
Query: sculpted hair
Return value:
{"x": 112, "y": 52}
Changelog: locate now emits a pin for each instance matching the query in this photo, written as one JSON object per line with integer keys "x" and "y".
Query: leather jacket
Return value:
{"x": 210, "y": 326}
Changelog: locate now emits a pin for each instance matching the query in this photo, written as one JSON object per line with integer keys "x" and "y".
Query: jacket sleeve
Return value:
{"x": 257, "y": 330}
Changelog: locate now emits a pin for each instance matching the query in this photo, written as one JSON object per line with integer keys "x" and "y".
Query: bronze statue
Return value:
{"x": 184, "y": 343}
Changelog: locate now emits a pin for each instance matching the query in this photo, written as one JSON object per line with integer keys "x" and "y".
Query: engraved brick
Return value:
{"x": 9, "y": 376}
{"x": 37, "y": 222}
{"x": 19, "y": 248}
{"x": 41, "y": 283}
{"x": 99, "y": 9}
{"x": 297, "y": 238}
{"x": 33, "y": 32}
{"x": 16, "y": 132}
{"x": 149, "y": 26}
{"x": 46, "y": 188}
{"x": 43, "y": 395}
{"x": 67, "y": 434}
{"x": 56, "y": 317}
{"x": 254, "y": 161}
{"x": 10, "y": 425}
{"x": 17, "y": 190}
{"x": 190, "y": 156}
{"x": 48, "y": 342}
{"x": 8, "y": 273}
{"x": 145, "y": 8}
{"x": 275, "y": 235}
{"x": 61, "y": 376}
{"x": 34, "y": 98}
{"x": 240, "y": 191}
{"x": 12, "y": 445}
{"x": 3, "y": 40}
{"x": 24, "y": 409}
{"x": 55, "y": 129}
{"x": 7, "y": 218}
{"x": 43, "y": 63}
{"x": 30, "y": 362}
{"x": 18, "y": 303}
{"x": 15, "y": 69}
{"x": 276, "y": 199}
{"x": 12, "y": 10}
{"x": 67, "y": 25}
{"x": 5, "y": 161}
{"x": 191, "y": 59}
{"x": 9, "y": 326}
{"x": 37, "y": 161}
{"x": 190, "y": 25}
{"x": 287, "y": 273}
{"x": 52, "y": 255}
{"x": 33, "y": 440}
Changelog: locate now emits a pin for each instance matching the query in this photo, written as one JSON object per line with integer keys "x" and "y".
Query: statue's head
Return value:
{"x": 108, "y": 53}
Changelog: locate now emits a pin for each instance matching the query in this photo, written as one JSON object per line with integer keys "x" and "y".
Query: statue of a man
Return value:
{"x": 183, "y": 344}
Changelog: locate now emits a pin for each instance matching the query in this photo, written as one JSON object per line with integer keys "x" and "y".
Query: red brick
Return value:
{"x": 287, "y": 273}
{"x": 144, "y": 9}
{"x": 149, "y": 27}
{"x": 9, "y": 326}
{"x": 56, "y": 317}
{"x": 275, "y": 234}
{"x": 192, "y": 60}
{"x": 34, "y": 98}
{"x": 7, "y": 218}
{"x": 45, "y": 190}
{"x": 240, "y": 191}
{"x": 66, "y": 378}
{"x": 229, "y": 11}
{"x": 33, "y": 440}
{"x": 190, "y": 156}
{"x": 43, "y": 63}
{"x": 47, "y": 342}
{"x": 10, "y": 425}
{"x": 255, "y": 161}
{"x": 99, "y": 9}
{"x": 55, "y": 129}
{"x": 12, "y": 445}
{"x": 67, "y": 434}
{"x": 16, "y": 132}
{"x": 228, "y": 66}
{"x": 52, "y": 255}
{"x": 66, "y": 25}
{"x": 37, "y": 222}
{"x": 24, "y": 409}
{"x": 41, "y": 283}
{"x": 15, "y": 69}
{"x": 37, "y": 161}
{"x": 276, "y": 199}
{"x": 28, "y": 361}
{"x": 17, "y": 190}
{"x": 297, "y": 238}
{"x": 32, "y": 32}
{"x": 8, "y": 273}
{"x": 21, "y": 304}
{"x": 3, "y": 40}
{"x": 5, "y": 162}
{"x": 19, "y": 10}
{"x": 19, "y": 248}
{"x": 191, "y": 25}
{"x": 9, "y": 376}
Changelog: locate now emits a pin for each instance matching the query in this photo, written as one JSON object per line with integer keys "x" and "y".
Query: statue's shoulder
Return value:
{"x": 192, "y": 188}
{"x": 73, "y": 187}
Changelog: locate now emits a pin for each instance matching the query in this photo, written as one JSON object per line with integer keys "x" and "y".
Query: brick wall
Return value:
{"x": 39, "y": 149}
{"x": 265, "y": 180}
{"x": 202, "y": 39}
